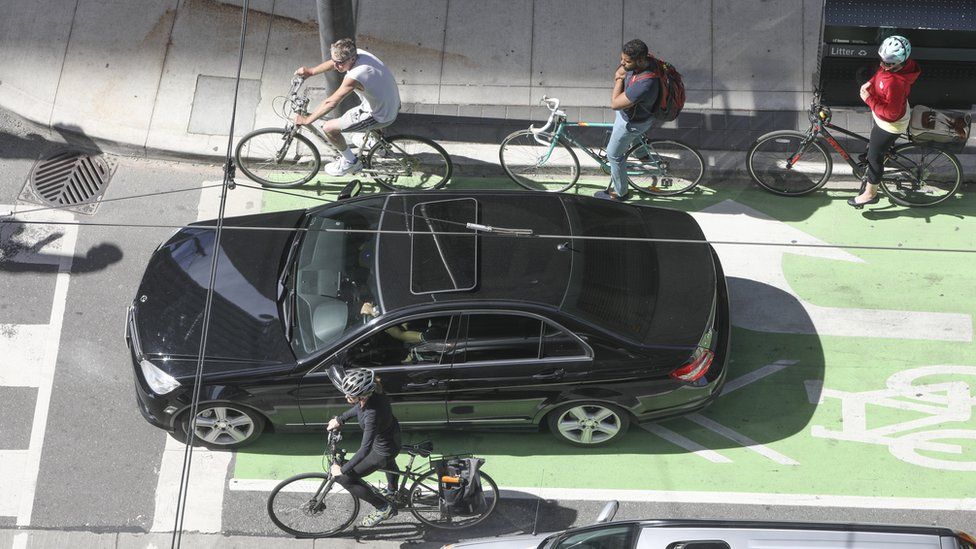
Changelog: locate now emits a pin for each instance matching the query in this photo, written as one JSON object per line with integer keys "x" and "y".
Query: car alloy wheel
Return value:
{"x": 588, "y": 424}
{"x": 223, "y": 426}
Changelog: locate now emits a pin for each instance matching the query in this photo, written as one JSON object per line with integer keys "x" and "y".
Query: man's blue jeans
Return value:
{"x": 621, "y": 140}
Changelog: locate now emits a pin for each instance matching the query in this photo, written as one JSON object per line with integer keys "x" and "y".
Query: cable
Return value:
{"x": 228, "y": 183}
{"x": 130, "y": 197}
{"x": 635, "y": 239}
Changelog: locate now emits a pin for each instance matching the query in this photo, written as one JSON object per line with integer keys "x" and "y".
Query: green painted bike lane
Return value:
{"x": 820, "y": 415}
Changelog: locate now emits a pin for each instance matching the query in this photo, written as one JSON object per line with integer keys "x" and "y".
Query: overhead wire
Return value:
{"x": 228, "y": 181}
{"x": 556, "y": 236}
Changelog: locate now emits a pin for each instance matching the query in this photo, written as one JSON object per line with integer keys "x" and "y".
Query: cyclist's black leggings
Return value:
{"x": 354, "y": 483}
{"x": 881, "y": 141}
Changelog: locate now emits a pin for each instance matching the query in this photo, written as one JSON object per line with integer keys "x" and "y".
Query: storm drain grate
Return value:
{"x": 70, "y": 178}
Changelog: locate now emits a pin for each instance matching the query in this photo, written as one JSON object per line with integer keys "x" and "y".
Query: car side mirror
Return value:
{"x": 351, "y": 189}
{"x": 608, "y": 512}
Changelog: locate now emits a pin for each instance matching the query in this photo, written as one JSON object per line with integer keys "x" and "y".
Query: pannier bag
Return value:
{"x": 459, "y": 486}
{"x": 927, "y": 124}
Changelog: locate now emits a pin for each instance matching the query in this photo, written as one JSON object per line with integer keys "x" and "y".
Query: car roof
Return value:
{"x": 529, "y": 270}
{"x": 612, "y": 283}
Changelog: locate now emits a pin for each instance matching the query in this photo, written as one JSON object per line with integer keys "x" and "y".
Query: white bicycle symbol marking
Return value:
{"x": 942, "y": 403}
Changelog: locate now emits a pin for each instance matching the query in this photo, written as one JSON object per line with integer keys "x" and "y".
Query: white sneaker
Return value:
{"x": 341, "y": 166}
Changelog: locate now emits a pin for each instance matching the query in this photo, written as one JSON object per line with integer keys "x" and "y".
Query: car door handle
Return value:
{"x": 430, "y": 383}
{"x": 557, "y": 374}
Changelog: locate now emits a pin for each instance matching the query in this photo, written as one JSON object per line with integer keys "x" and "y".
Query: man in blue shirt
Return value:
{"x": 634, "y": 97}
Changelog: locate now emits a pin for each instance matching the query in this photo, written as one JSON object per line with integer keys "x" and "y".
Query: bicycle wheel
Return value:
{"x": 425, "y": 503}
{"x": 535, "y": 162}
{"x": 292, "y": 506}
{"x": 789, "y": 163}
{"x": 406, "y": 162}
{"x": 275, "y": 158}
{"x": 920, "y": 175}
{"x": 661, "y": 167}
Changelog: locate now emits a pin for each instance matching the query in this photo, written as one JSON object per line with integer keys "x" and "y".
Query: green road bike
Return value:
{"x": 543, "y": 159}
{"x": 794, "y": 163}
{"x": 286, "y": 157}
{"x": 312, "y": 505}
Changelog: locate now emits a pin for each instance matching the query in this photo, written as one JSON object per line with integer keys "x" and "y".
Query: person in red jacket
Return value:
{"x": 887, "y": 95}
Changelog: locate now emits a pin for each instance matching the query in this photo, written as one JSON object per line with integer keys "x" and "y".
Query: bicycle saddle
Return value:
{"x": 422, "y": 449}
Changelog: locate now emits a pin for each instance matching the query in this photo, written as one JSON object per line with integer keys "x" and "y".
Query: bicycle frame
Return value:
{"x": 561, "y": 133}
{"x": 819, "y": 129}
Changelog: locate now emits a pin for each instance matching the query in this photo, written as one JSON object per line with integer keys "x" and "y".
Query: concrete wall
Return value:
{"x": 156, "y": 73}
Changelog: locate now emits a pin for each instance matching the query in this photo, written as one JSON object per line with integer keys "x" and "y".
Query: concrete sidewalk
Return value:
{"x": 64, "y": 539}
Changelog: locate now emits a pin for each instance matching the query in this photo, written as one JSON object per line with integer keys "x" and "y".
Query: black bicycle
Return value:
{"x": 794, "y": 163}
{"x": 312, "y": 505}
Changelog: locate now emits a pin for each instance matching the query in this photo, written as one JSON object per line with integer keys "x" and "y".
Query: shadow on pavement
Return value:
{"x": 16, "y": 256}
{"x": 35, "y": 145}
{"x": 516, "y": 514}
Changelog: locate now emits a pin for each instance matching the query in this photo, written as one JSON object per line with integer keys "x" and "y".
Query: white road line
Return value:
{"x": 686, "y": 443}
{"x": 668, "y": 496}
{"x": 745, "y": 441}
{"x": 205, "y": 496}
{"x": 755, "y": 375}
{"x": 11, "y": 481}
{"x": 23, "y": 358}
{"x": 20, "y": 541}
{"x": 769, "y": 310}
{"x": 45, "y": 360}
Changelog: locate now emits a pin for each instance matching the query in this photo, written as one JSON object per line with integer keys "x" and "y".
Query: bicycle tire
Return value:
{"x": 427, "y": 500}
{"x": 940, "y": 181}
{"x": 262, "y": 165}
{"x": 767, "y": 161}
{"x": 345, "y": 504}
{"x": 408, "y": 162}
{"x": 522, "y": 157}
{"x": 680, "y": 173}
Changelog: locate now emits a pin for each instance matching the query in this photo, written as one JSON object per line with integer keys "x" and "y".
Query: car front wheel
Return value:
{"x": 588, "y": 424}
{"x": 223, "y": 426}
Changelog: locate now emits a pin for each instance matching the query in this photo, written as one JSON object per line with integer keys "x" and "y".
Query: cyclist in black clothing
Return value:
{"x": 380, "y": 445}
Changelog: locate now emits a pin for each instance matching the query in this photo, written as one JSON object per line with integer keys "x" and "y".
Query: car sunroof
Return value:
{"x": 443, "y": 262}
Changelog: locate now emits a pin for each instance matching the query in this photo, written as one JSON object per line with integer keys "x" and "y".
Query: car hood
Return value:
{"x": 505, "y": 542}
{"x": 245, "y": 327}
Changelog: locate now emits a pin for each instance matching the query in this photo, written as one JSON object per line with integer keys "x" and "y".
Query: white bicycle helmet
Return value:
{"x": 895, "y": 49}
{"x": 358, "y": 382}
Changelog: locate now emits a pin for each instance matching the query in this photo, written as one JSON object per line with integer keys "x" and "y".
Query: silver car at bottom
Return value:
{"x": 724, "y": 534}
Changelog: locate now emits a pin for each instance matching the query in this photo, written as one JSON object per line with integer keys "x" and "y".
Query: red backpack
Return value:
{"x": 671, "y": 98}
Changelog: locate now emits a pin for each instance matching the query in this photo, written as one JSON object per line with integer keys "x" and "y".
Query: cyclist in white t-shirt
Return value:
{"x": 372, "y": 81}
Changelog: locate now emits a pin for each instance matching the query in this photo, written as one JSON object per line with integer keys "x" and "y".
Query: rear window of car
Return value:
{"x": 614, "y": 282}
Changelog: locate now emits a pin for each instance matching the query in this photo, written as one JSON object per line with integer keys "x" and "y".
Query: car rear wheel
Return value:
{"x": 588, "y": 424}
{"x": 223, "y": 426}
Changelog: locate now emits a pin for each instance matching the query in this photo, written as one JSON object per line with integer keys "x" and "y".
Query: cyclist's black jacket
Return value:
{"x": 381, "y": 430}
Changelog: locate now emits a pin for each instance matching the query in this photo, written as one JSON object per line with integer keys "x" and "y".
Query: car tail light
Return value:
{"x": 696, "y": 367}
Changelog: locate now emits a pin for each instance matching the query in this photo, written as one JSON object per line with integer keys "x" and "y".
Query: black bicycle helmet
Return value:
{"x": 358, "y": 382}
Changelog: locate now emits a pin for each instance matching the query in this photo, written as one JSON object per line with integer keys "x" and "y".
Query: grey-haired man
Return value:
{"x": 372, "y": 81}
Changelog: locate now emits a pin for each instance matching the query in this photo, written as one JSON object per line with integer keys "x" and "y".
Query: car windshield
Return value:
{"x": 332, "y": 274}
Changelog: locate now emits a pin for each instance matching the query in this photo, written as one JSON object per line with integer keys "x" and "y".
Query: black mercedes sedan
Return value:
{"x": 476, "y": 309}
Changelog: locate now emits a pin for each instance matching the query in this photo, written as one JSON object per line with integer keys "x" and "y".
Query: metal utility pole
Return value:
{"x": 336, "y": 21}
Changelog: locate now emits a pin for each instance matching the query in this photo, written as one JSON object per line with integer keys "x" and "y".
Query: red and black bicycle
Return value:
{"x": 794, "y": 163}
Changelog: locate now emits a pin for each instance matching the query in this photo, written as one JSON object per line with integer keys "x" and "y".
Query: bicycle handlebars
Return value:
{"x": 553, "y": 105}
